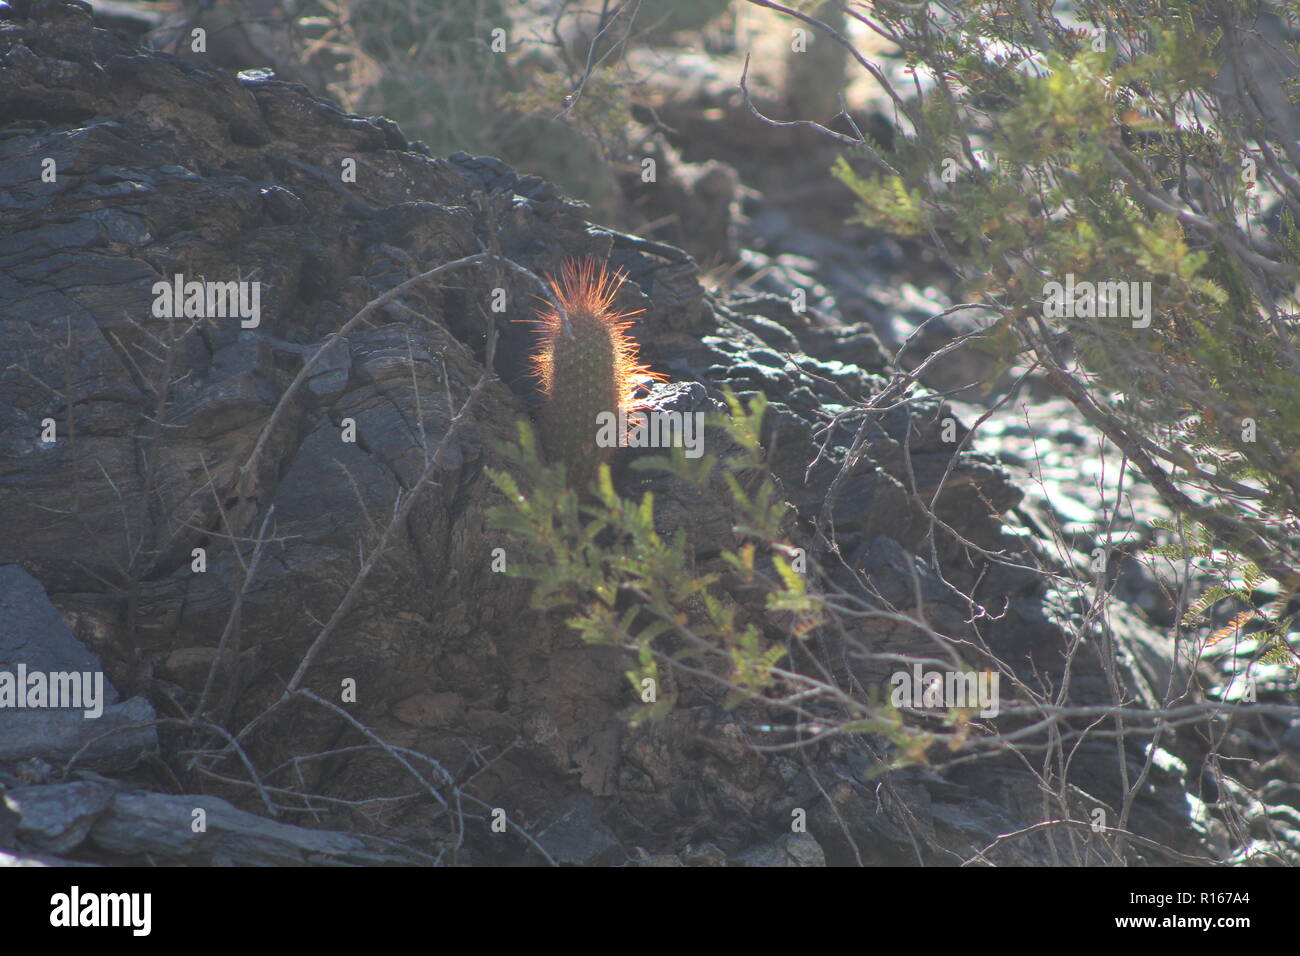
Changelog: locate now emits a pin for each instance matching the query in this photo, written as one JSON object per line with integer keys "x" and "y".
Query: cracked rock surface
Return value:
{"x": 166, "y": 168}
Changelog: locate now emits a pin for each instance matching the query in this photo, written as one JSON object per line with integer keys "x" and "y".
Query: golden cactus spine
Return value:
{"x": 587, "y": 369}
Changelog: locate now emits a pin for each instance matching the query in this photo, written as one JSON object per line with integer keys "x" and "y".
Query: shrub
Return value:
{"x": 1118, "y": 188}
{"x": 624, "y": 584}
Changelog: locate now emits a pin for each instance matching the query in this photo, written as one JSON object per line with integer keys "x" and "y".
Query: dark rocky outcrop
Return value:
{"x": 164, "y": 168}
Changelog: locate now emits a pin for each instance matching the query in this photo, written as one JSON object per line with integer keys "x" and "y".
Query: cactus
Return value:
{"x": 588, "y": 368}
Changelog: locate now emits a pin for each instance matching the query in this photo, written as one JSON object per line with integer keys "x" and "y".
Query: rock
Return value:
{"x": 161, "y": 827}
{"x": 32, "y": 859}
{"x": 113, "y": 741}
{"x": 790, "y": 849}
{"x": 57, "y": 818}
{"x": 578, "y": 836}
{"x": 35, "y": 639}
{"x": 704, "y": 854}
{"x": 34, "y": 633}
{"x": 167, "y": 167}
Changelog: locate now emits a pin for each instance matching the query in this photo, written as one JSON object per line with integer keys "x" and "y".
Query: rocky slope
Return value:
{"x": 466, "y": 700}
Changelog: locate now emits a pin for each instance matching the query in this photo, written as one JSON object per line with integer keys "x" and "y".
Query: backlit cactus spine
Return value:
{"x": 589, "y": 368}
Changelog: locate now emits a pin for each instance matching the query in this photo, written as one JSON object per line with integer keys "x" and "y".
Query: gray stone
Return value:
{"x": 578, "y": 836}
{"x": 789, "y": 849}
{"x": 60, "y": 734}
{"x": 17, "y": 860}
{"x": 33, "y": 633}
{"x": 56, "y": 819}
{"x": 161, "y": 826}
